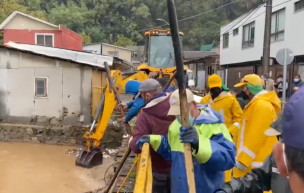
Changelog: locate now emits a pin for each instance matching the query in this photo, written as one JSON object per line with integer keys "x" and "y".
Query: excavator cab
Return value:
{"x": 159, "y": 51}
{"x": 159, "y": 58}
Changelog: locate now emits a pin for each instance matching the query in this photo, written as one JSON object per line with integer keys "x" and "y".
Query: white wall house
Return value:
{"x": 40, "y": 84}
{"x": 242, "y": 39}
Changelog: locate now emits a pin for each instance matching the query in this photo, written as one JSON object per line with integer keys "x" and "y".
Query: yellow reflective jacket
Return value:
{"x": 253, "y": 146}
{"x": 227, "y": 105}
{"x": 206, "y": 99}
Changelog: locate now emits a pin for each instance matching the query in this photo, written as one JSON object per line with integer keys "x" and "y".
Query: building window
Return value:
{"x": 235, "y": 31}
{"x": 210, "y": 71}
{"x": 226, "y": 40}
{"x": 40, "y": 87}
{"x": 113, "y": 53}
{"x": 278, "y": 25}
{"x": 45, "y": 40}
{"x": 248, "y": 35}
{"x": 299, "y": 6}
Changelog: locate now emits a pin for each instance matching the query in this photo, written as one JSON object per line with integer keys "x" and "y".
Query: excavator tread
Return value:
{"x": 129, "y": 185}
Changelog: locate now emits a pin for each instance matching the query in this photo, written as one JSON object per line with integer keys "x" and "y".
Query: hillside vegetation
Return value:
{"x": 123, "y": 22}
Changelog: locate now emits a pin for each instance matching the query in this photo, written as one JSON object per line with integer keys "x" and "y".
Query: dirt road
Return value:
{"x": 31, "y": 168}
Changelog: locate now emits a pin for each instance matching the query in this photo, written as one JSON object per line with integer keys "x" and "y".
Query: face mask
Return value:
{"x": 191, "y": 119}
{"x": 296, "y": 80}
{"x": 215, "y": 92}
{"x": 244, "y": 95}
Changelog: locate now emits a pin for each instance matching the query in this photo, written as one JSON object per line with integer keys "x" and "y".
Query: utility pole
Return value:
{"x": 267, "y": 37}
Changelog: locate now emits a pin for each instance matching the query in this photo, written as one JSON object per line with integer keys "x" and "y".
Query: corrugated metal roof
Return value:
{"x": 190, "y": 55}
{"x": 75, "y": 56}
{"x": 110, "y": 45}
{"x": 207, "y": 47}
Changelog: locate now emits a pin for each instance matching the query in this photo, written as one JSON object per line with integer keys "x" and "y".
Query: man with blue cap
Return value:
{"x": 289, "y": 154}
{"x": 134, "y": 106}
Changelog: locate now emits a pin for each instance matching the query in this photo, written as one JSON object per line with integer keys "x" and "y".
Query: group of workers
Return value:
{"x": 232, "y": 148}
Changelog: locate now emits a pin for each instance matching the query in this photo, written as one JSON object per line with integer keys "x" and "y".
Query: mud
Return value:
{"x": 30, "y": 168}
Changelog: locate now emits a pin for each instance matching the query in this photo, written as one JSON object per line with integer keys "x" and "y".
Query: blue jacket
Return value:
{"x": 134, "y": 107}
{"x": 132, "y": 87}
{"x": 171, "y": 88}
{"x": 216, "y": 153}
{"x": 296, "y": 84}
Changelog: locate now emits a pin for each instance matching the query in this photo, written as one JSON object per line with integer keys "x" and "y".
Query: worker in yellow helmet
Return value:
{"x": 253, "y": 146}
{"x": 222, "y": 101}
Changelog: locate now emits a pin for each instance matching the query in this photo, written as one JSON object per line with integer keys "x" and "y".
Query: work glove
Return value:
{"x": 142, "y": 140}
{"x": 240, "y": 166}
{"x": 189, "y": 135}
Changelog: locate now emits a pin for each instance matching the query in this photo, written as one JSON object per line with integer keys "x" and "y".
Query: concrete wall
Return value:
{"x": 293, "y": 37}
{"x": 68, "y": 85}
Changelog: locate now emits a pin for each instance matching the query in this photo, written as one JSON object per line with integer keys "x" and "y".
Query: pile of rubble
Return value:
{"x": 198, "y": 91}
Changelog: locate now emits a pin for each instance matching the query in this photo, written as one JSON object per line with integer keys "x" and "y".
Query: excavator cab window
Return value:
{"x": 161, "y": 52}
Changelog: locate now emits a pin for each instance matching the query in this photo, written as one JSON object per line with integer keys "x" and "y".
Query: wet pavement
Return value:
{"x": 31, "y": 168}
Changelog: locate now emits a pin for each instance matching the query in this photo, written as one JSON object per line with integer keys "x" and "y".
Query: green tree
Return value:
{"x": 70, "y": 15}
{"x": 124, "y": 41}
{"x": 86, "y": 38}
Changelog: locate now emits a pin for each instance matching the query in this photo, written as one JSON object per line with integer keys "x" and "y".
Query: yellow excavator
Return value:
{"x": 159, "y": 62}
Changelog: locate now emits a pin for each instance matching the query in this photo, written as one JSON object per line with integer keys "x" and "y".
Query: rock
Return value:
{"x": 58, "y": 132}
{"x": 50, "y": 132}
{"x": 51, "y": 135}
{"x": 72, "y": 141}
{"x": 42, "y": 139}
{"x": 15, "y": 129}
{"x": 26, "y": 138}
{"x": 34, "y": 131}
{"x": 53, "y": 141}
{"x": 7, "y": 128}
{"x": 80, "y": 141}
{"x": 35, "y": 140}
{"x": 29, "y": 131}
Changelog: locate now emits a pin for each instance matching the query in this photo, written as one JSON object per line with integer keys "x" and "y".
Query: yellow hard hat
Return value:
{"x": 252, "y": 79}
{"x": 214, "y": 81}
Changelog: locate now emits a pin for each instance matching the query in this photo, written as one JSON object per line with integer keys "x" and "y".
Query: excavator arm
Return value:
{"x": 92, "y": 155}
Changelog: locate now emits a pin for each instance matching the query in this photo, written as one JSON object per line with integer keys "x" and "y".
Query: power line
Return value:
{"x": 250, "y": 14}
{"x": 272, "y": 7}
{"x": 255, "y": 16}
{"x": 193, "y": 15}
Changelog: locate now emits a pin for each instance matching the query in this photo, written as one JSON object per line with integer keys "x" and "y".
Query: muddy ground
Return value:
{"x": 31, "y": 168}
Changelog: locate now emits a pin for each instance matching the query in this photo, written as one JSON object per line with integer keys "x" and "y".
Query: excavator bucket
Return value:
{"x": 89, "y": 159}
